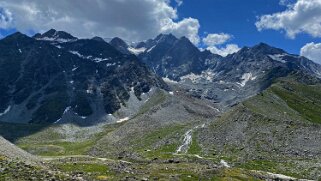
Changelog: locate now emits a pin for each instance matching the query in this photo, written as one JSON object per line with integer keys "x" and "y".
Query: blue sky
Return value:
{"x": 221, "y": 26}
{"x": 238, "y": 18}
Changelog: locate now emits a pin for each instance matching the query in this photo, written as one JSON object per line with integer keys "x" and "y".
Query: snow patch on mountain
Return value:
{"x": 122, "y": 120}
{"x": 95, "y": 59}
{"x": 67, "y": 109}
{"x": 5, "y": 111}
{"x": 245, "y": 78}
{"x": 193, "y": 77}
{"x": 77, "y": 53}
{"x": 74, "y": 69}
{"x": 205, "y": 75}
{"x": 60, "y": 37}
{"x": 151, "y": 48}
{"x": 60, "y": 40}
{"x": 110, "y": 64}
{"x": 167, "y": 80}
{"x": 278, "y": 57}
{"x": 136, "y": 51}
{"x": 57, "y": 121}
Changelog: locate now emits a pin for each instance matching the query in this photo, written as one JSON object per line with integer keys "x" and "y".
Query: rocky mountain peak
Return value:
{"x": 118, "y": 42}
{"x": 17, "y": 39}
{"x": 120, "y": 45}
{"x": 54, "y": 35}
{"x": 169, "y": 38}
{"x": 266, "y": 49}
{"x": 183, "y": 41}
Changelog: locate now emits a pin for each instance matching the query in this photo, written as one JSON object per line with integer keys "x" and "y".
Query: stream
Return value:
{"x": 187, "y": 141}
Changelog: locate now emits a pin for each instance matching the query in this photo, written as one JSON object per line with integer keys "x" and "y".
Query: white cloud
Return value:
{"x": 312, "y": 51}
{"x": 131, "y": 20}
{"x": 216, "y": 39}
{"x": 187, "y": 27}
{"x": 5, "y": 18}
{"x": 224, "y": 51}
{"x": 304, "y": 16}
{"x": 214, "y": 42}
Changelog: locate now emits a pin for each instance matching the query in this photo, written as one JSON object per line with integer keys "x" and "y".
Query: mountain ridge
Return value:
{"x": 67, "y": 74}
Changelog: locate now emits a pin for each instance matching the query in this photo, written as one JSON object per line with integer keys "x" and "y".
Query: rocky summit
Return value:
{"x": 161, "y": 109}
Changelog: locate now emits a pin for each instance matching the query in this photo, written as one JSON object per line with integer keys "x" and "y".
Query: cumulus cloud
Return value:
{"x": 224, "y": 51}
{"x": 187, "y": 27}
{"x": 214, "y": 42}
{"x": 131, "y": 20}
{"x": 312, "y": 51}
{"x": 216, "y": 39}
{"x": 304, "y": 16}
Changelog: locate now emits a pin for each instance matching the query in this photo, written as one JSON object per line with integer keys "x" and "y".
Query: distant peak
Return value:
{"x": 118, "y": 39}
{"x": 52, "y": 31}
{"x": 17, "y": 35}
{"x": 17, "y": 38}
{"x": 118, "y": 42}
{"x": 262, "y": 45}
{"x": 54, "y": 35}
{"x": 265, "y": 49}
{"x": 164, "y": 37}
{"x": 185, "y": 41}
{"x": 97, "y": 38}
{"x": 184, "y": 38}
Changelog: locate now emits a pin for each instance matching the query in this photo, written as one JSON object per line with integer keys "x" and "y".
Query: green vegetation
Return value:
{"x": 260, "y": 165}
{"x": 16, "y": 170}
{"x": 50, "y": 141}
{"x": 271, "y": 166}
{"x": 289, "y": 98}
{"x": 304, "y": 99}
{"x": 194, "y": 147}
{"x": 158, "y": 98}
{"x": 234, "y": 175}
{"x": 99, "y": 169}
{"x": 58, "y": 148}
{"x": 165, "y": 132}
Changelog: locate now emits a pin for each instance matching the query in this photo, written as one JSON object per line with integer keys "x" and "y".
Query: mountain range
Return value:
{"x": 159, "y": 108}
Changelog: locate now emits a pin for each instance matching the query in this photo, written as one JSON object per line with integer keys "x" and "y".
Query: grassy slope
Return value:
{"x": 270, "y": 123}
{"x": 288, "y": 96}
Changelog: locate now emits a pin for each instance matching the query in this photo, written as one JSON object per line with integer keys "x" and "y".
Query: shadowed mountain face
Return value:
{"x": 47, "y": 80}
